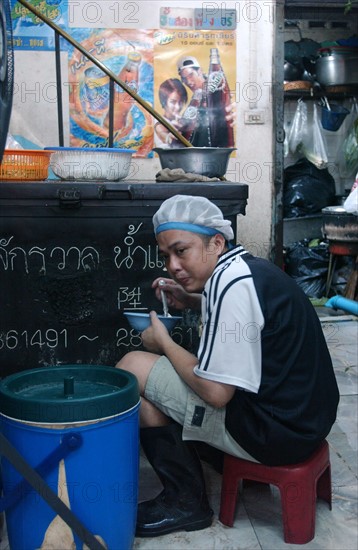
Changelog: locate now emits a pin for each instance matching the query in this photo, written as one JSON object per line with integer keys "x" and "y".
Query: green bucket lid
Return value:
{"x": 70, "y": 393}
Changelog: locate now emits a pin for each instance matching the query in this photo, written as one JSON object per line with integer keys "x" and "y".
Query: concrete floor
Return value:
{"x": 258, "y": 521}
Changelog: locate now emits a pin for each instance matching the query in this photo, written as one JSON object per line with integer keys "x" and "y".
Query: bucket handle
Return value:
{"x": 33, "y": 478}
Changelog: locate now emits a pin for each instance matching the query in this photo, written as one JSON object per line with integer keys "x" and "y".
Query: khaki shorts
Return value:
{"x": 200, "y": 421}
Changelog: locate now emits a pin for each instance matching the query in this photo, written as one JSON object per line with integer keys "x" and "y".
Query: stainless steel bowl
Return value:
{"x": 207, "y": 161}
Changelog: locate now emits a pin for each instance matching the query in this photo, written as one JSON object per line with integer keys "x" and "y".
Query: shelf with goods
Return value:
{"x": 293, "y": 90}
{"x": 308, "y": 25}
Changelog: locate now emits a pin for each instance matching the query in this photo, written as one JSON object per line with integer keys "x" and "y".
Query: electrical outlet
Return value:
{"x": 254, "y": 116}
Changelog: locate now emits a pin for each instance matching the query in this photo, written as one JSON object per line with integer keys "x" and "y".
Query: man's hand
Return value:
{"x": 155, "y": 335}
{"x": 177, "y": 297}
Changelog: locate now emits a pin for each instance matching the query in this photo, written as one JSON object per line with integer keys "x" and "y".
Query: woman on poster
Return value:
{"x": 173, "y": 97}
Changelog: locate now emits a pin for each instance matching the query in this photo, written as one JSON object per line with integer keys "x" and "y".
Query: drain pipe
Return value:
{"x": 339, "y": 302}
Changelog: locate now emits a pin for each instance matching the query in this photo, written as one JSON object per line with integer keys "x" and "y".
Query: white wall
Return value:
{"x": 35, "y": 115}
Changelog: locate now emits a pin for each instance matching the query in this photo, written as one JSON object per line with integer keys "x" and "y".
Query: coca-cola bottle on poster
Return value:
{"x": 201, "y": 136}
{"x": 222, "y": 134}
{"x": 194, "y": 124}
{"x": 189, "y": 119}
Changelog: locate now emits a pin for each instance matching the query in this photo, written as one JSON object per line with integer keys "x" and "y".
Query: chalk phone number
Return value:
{"x": 52, "y": 338}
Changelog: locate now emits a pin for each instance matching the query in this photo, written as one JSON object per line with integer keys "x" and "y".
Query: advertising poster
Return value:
{"x": 194, "y": 86}
{"x": 29, "y": 31}
{"x": 127, "y": 53}
{"x": 185, "y": 69}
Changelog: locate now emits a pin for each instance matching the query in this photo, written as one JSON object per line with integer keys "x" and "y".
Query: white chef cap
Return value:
{"x": 194, "y": 214}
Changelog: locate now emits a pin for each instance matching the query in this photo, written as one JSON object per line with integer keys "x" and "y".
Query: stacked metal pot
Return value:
{"x": 337, "y": 66}
{"x": 328, "y": 65}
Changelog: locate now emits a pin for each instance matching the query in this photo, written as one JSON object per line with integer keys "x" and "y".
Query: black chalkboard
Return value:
{"x": 73, "y": 257}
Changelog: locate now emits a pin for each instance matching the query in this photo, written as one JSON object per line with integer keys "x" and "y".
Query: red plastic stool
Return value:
{"x": 299, "y": 485}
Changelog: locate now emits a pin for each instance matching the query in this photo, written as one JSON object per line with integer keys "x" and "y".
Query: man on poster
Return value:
{"x": 200, "y": 116}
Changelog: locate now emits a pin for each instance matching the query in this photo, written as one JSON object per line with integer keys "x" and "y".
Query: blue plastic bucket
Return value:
{"x": 333, "y": 119}
{"x": 99, "y": 479}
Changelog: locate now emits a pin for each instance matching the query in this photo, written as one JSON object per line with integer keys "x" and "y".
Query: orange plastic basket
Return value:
{"x": 24, "y": 164}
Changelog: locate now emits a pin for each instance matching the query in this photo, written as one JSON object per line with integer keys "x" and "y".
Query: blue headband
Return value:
{"x": 192, "y": 227}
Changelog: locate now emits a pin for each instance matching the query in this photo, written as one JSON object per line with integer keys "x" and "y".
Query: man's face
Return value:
{"x": 193, "y": 78}
{"x": 189, "y": 259}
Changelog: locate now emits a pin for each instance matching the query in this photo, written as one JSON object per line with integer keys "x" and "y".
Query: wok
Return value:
{"x": 291, "y": 72}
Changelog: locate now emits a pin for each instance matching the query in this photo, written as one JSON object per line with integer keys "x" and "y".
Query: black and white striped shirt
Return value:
{"x": 262, "y": 335}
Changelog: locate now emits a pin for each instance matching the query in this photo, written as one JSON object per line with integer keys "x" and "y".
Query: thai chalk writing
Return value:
{"x": 13, "y": 258}
{"x": 135, "y": 254}
{"x": 87, "y": 258}
{"x": 128, "y": 254}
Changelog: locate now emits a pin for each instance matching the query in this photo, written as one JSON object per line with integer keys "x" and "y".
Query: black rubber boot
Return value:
{"x": 183, "y": 504}
{"x": 210, "y": 455}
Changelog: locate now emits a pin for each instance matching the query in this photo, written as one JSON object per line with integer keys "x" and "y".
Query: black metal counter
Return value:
{"x": 74, "y": 256}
